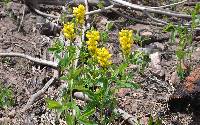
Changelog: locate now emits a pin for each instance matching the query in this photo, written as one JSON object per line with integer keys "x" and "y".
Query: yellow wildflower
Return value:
{"x": 103, "y": 57}
{"x": 93, "y": 35}
{"x": 93, "y": 38}
{"x": 126, "y": 40}
{"x": 69, "y": 31}
{"x": 92, "y": 46}
{"x": 79, "y": 13}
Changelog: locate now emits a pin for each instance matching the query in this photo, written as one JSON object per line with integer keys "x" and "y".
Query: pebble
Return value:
{"x": 156, "y": 64}
{"x": 174, "y": 78}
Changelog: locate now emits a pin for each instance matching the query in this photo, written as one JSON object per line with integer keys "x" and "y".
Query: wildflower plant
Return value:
{"x": 92, "y": 43}
{"x": 6, "y": 97}
{"x": 69, "y": 31}
{"x": 79, "y": 13}
{"x": 126, "y": 41}
{"x": 103, "y": 57}
{"x": 94, "y": 75}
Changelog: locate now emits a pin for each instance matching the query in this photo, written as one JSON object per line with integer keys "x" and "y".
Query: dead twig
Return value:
{"x": 37, "y": 94}
{"x": 22, "y": 19}
{"x": 151, "y": 10}
{"x": 137, "y": 20}
{"x": 170, "y": 5}
{"x": 36, "y": 60}
{"x": 70, "y": 16}
{"x": 154, "y": 19}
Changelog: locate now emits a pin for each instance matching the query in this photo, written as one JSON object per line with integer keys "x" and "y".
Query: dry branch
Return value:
{"x": 170, "y": 5}
{"x": 37, "y": 94}
{"x": 137, "y": 20}
{"x": 155, "y": 19}
{"x": 87, "y": 13}
{"x": 151, "y": 10}
{"x": 36, "y": 60}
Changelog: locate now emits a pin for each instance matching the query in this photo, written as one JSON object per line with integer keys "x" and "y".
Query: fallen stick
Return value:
{"x": 37, "y": 94}
{"x": 36, "y": 60}
{"x": 151, "y": 10}
{"x": 170, "y": 5}
{"x": 70, "y": 16}
{"x": 137, "y": 20}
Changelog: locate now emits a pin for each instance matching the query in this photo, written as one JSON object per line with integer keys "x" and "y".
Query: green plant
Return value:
{"x": 6, "y": 97}
{"x": 109, "y": 26}
{"x": 101, "y": 4}
{"x": 141, "y": 59}
{"x": 185, "y": 39}
{"x": 156, "y": 121}
{"x": 95, "y": 76}
{"x": 104, "y": 36}
{"x": 140, "y": 39}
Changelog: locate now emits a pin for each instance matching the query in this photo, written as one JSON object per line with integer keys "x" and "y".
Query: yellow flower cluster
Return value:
{"x": 126, "y": 40}
{"x": 103, "y": 57}
{"x": 79, "y": 13}
{"x": 93, "y": 38}
{"x": 69, "y": 31}
{"x": 101, "y": 54}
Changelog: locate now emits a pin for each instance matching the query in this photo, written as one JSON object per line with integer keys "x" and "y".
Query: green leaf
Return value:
{"x": 173, "y": 35}
{"x": 52, "y": 49}
{"x": 70, "y": 120}
{"x": 65, "y": 78}
{"x": 53, "y": 104}
{"x": 180, "y": 54}
{"x": 64, "y": 62}
{"x": 104, "y": 36}
{"x": 80, "y": 88}
{"x": 169, "y": 28}
{"x": 122, "y": 67}
{"x": 197, "y": 8}
{"x": 158, "y": 121}
{"x": 101, "y": 4}
{"x": 150, "y": 121}
{"x": 109, "y": 26}
{"x": 6, "y": 97}
{"x": 88, "y": 112}
{"x": 57, "y": 46}
{"x": 73, "y": 74}
{"x": 86, "y": 122}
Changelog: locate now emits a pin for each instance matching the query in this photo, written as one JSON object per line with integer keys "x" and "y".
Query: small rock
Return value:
{"x": 197, "y": 38}
{"x": 198, "y": 49}
{"x": 146, "y": 34}
{"x": 174, "y": 78}
{"x": 145, "y": 50}
{"x": 195, "y": 54}
{"x": 156, "y": 64}
{"x": 160, "y": 46}
{"x": 2, "y": 14}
